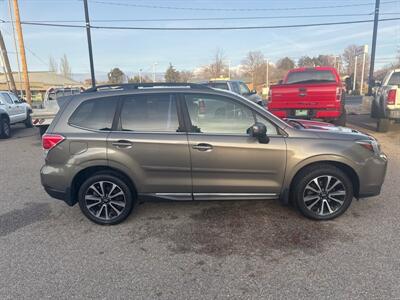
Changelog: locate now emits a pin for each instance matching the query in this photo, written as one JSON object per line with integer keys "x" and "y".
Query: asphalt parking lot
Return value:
{"x": 199, "y": 250}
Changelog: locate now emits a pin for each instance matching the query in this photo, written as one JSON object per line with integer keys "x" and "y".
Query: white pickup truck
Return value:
{"x": 385, "y": 106}
{"x": 43, "y": 117}
{"x": 13, "y": 110}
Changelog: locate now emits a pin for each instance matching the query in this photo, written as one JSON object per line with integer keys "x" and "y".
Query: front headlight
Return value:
{"x": 370, "y": 145}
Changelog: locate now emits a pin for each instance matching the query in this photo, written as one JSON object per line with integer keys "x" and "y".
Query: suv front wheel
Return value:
{"x": 322, "y": 192}
{"x": 105, "y": 199}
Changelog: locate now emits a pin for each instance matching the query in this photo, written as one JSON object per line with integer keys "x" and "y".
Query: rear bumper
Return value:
{"x": 54, "y": 183}
{"x": 312, "y": 113}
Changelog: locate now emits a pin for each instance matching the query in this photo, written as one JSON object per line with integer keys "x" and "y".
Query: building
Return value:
{"x": 40, "y": 81}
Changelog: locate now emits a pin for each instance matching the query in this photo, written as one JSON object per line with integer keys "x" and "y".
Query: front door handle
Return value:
{"x": 203, "y": 147}
{"x": 122, "y": 144}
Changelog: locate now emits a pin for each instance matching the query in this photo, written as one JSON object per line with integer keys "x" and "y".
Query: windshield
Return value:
{"x": 244, "y": 90}
{"x": 394, "y": 79}
{"x": 310, "y": 76}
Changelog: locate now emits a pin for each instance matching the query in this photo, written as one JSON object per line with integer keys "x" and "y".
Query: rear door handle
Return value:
{"x": 122, "y": 144}
{"x": 203, "y": 147}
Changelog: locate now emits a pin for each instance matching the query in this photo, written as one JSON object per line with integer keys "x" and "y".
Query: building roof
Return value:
{"x": 42, "y": 80}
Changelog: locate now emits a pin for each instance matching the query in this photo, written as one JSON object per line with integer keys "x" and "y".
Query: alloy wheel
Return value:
{"x": 105, "y": 200}
{"x": 324, "y": 195}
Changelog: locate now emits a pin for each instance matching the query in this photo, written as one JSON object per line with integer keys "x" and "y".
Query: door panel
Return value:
{"x": 149, "y": 143}
{"x": 237, "y": 164}
{"x": 10, "y": 108}
{"x": 225, "y": 159}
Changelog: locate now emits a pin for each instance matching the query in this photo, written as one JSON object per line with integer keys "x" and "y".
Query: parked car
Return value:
{"x": 309, "y": 93}
{"x": 13, "y": 110}
{"x": 112, "y": 145}
{"x": 385, "y": 106}
{"x": 43, "y": 117}
{"x": 236, "y": 86}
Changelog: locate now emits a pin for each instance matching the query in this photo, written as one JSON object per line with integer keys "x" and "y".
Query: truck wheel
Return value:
{"x": 28, "y": 121}
{"x": 341, "y": 121}
{"x": 5, "y": 130}
{"x": 382, "y": 125}
{"x": 43, "y": 129}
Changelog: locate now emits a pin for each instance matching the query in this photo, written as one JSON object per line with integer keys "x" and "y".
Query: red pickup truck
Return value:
{"x": 309, "y": 93}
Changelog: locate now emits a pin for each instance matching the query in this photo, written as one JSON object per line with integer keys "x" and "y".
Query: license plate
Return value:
{"x": 301, "y": 112}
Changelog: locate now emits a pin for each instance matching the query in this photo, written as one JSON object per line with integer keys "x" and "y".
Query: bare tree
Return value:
{"x": 65, "y": 67}
{"x": 185, "y": 76}
{"x": 53, "y": 66}
{"x": 217, "y": 67}
{"x": 255, "y": 65}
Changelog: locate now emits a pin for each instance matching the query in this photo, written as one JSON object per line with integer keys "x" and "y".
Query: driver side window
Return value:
{"x": 218, "y": 115}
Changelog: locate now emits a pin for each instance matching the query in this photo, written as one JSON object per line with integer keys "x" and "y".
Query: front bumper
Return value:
{"x": 373, "y": 176}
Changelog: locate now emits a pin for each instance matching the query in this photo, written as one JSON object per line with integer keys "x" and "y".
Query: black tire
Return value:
{"x": 321, "y": 172}
{"x": 43, "y": 129}
{"x": 106, "y": 177}
{"x": 5, "y": 129}
{"x": 28, "y": 121}
{"x": 382, "y": 125}
{"x": 341, "y": 121}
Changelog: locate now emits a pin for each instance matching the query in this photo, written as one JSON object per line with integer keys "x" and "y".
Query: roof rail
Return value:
{"x": 136, "y": 86}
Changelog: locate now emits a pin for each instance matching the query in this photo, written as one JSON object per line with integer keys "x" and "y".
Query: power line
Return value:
{"x": 234, "y": 9}
{"x": 204, "y": 28}
{"x": 208, "y": 19}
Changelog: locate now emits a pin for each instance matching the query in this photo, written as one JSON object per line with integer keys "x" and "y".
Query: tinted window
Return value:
{"x": 213, "y": 114}
{"x": 149, "y": 113}
{"x": 243, "y": 88}
{"x": 95, "y": 114}
{"x": 7, "y": 98}
{"x": 310, "y": 76}
{"x": 394, "y": 79}
{"x": 271, "y": 128}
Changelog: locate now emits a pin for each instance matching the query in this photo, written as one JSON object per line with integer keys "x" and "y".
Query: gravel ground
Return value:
{"x": 198, "y": 250}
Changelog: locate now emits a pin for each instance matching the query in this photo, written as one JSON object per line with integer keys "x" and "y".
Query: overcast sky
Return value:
{"x": 132, "y": 50}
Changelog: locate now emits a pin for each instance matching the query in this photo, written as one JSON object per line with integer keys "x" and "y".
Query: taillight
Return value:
{"x": 49, "y": 141}
{"x": 338, "y": 93}
{"x": 391, "y": 97}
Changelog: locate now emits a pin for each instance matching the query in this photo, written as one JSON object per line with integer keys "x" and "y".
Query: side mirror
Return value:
{"x": 259, "y": 131}
{"x": 378, "y": 83}
{"x": 254, "y": 91}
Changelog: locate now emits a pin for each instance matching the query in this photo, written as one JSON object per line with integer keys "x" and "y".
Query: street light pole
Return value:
{"x": 355, "y": 74}
{"x": 373, "y": 48}
{"x": 89, "y": 40}
{"x": 154, "y": 71}
{"x": 140, "y": 75}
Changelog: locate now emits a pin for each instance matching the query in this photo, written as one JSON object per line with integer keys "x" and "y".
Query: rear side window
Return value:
{"x": 97, "y": 114}
{"x": 149, "y": 113}
{"x": 394, "y": 79}
{"x": 310, "y": 76}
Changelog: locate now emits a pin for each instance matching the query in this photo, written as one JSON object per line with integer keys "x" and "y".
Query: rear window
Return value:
{"x": 219, "y": 85}
{"x": 394, "y": 79}
{"x": 150, "y": 113}
{"x": 310, "y": 76}
{"x": 97, "y": 114}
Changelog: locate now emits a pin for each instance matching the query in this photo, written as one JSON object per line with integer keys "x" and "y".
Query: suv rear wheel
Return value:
{"x": 323, "y": 192}
{"x": 105, "y": 199}
{"x": 5, "y": 130}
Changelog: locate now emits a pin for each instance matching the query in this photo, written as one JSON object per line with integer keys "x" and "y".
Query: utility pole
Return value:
{"x": 18, "y": 26}
{"x": 154, "y": 71}
{"x": 6, "y": 64}
{"x": 15, "y": 47}
{"x": 355, "y": 74}
{"x": 140, "y": 75}
{"x": 89, "y": 40}
{"x": 374, "y": 35}
{"x": 5, "y": 72}
{"x": 267, "y": 74}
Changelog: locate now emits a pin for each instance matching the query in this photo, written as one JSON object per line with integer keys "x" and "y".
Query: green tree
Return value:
{"x": 172, "y": 75}
{"x": 116, "y": 76}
